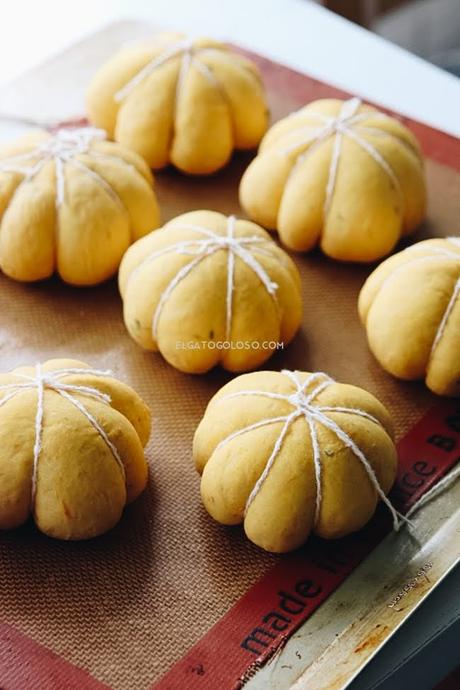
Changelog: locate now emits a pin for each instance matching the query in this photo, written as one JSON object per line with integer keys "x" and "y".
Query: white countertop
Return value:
{"x": 297, "y": 33}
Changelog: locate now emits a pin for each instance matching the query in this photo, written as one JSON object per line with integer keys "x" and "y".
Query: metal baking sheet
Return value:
{"x": 339, "y": 639}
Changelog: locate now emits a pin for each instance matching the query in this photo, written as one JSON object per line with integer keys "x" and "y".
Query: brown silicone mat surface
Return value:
{"x": 127, "y": 605}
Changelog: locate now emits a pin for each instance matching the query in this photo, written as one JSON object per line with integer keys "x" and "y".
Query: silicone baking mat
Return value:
{"x": 121, "y": 610}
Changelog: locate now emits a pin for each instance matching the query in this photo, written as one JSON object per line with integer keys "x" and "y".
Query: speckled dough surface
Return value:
{"x": 209, "y": 289}
{"x": 338, "y": 174}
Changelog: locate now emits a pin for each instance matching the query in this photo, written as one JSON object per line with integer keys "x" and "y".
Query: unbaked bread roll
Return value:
{"x": 208, "y": 290}
{"x": 180, "y": 101}
{"x": 71, "y": 448}
{"x": 410, "y": 307}
{"x": 289, "y": 453}
{"x": 72, "y": 203}
{"x": 338, "y": 174}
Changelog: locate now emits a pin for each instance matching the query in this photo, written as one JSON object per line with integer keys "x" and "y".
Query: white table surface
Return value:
{"x": 297, "y": 33}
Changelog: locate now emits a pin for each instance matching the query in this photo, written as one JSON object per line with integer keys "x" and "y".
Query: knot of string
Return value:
{"x": 344, "y": 125}
{"x": 207, "y": 244}
{"x": 189, "y": 56}
{"x": 62, "y": 148}
{"x": 304, "y": 404}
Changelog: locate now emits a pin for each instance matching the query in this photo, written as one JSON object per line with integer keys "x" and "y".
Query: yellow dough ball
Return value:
{"x": 71, "y": 448}
{"x": 290, "y": 453}
{"x": 410, "y": 307}
{"x": 72, "y": 203}
{"x": 180, "y": 101}
{"x": 207, "y": 290}
{"x": 338, "y": 174}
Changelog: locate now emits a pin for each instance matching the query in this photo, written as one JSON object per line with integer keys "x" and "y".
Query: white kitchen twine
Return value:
{"x": 210, "y": 243}
{"x": 435, "y": 253}
{"x": 444, "y": 321}
{"x": 188, "y": 53}
{"x": 413, "y": 257}
{"x": 346, "y": 124}
{"x": 436, "y": 490}
{"x": 51, "y": 380}
{"x": 62, "y": 148}
{"x": 302, "y": 402}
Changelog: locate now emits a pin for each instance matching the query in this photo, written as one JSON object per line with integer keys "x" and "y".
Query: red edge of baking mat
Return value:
{"x": 267, "y": 615}
{"x": 25, "y": 664}
{"x": 289, "y": 593}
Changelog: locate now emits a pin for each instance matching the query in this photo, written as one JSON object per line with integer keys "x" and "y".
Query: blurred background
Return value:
{"x": 428, "y": 28}
{"x": 30, "y": 31}
{"x": 388, "y": 52}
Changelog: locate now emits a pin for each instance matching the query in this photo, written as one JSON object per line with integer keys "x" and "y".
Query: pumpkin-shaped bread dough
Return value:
{"x": 207, "y": 290}
{"x": 337, "y": 174}
{"x": 72, "y": 203}
{"x": 289, "y": 453}
{"x": 410, "y": 307}
{"x": 180, "y": 101}
{"x": 71, "y": 448}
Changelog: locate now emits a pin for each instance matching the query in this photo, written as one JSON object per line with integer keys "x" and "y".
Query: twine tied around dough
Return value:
{"x": 62, "y": 148}
{"x": 346, "y": 124}
{"x": 304, "y": 404}
{"x": 434, "y": 253}
{"x": 446, "y": 316}
{"x": 210, "y": 243}
{"x": 188, "y": 53}
{"x": 453, "y": 299}
{"x": 51, "y": 380}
